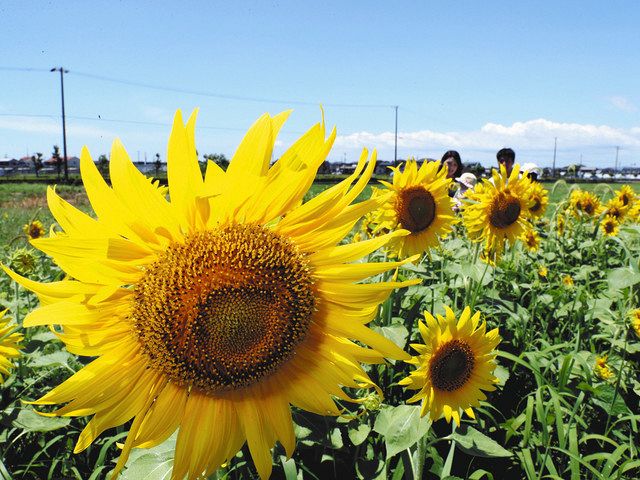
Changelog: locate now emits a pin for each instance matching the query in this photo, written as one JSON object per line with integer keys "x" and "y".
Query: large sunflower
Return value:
{"x": 420, "y": 203}
{"x": 9, "y": 345}
{"x": 454, "y": 365}
{"x": 498, "y": 210}
{"x": 211, "y": 313}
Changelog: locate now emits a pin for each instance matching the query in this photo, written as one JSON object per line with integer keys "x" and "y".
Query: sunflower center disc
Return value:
{"x": 451, "y": 366}
{"x": 225, "y": 308}
{"x": 536, "y": 206}
{"x": 505, "y": 211}
{"x": 416, "y": 209}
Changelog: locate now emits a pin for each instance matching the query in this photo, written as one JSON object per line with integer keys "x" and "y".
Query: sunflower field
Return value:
{"x": 248, "y": 323}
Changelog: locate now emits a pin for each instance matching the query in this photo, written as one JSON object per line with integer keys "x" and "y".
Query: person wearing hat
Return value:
{"x": 467, "y": 181}
{"x": 533, "y": 171}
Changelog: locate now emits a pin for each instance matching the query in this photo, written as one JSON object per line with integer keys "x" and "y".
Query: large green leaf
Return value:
{"x": 151, "y": 464}
{"x": 401, "y": 427}
{"x": 623, "y": 277}
{"x": 473, "y": 442}
{"x": 30, "y": 421}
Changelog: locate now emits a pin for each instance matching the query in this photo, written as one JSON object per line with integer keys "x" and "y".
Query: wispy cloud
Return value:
{"x": 623, "y": 103}
{"x": 531, "y": 136}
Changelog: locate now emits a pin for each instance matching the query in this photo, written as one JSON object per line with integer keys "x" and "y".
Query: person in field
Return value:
{"x": 506, "y": 157}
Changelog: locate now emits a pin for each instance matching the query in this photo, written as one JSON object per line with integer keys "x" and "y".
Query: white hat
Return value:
{"x": 467, "y": 179}
{"x": 531, "y": 168}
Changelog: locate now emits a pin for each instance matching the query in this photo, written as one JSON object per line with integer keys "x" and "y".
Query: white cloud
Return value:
{"x": 530, "y": 136}
{"x": 623, "y": 103}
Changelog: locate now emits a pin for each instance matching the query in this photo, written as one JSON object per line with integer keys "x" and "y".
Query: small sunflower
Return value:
{"x": 584, "y": 203}
{"x": 9, "y": 345}
{"x": 531, "y": 240}
{"x": 634, "y": 315}
{"x": 499, "y": 210}
{"x": 543, "y": 271}
{"x": 567, "y": 280}
{"x": 213, "y": 312}
{"x": 539, "y": 198}
{"x": 454, "y": 365}
{"x": 615, "y": 208}
{"x": 602, "y": 369}
{"x": 34, "y": 229}
{"x": 626, "y": 195}
{"x": 610, "y": 226}
{"x": 23, "y": 261}
{"x": 420, "y": 203}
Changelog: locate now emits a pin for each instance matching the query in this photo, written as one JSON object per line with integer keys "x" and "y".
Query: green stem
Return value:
{"x": 446, "y": 469}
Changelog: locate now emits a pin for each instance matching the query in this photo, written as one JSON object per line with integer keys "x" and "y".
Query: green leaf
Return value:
{"x": 359, "y": 433}
{"x": 30, "y": 421}
{"x": 473, "y": 442}
{"x": 623, "y": 277}
{"x": 151, "y": 464}
{"x": 396, "y": 333}
{"x": 56, "y": 359}
{"x": 401, "y": 427}
{"x": 603, "y": 397}
{"x": 336, "y": 438}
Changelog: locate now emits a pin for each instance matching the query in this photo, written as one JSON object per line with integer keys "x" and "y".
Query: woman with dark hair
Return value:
{"x": 451, "y": 159}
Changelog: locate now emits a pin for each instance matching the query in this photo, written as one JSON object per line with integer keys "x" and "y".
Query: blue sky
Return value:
{"x": 472, "y": 76}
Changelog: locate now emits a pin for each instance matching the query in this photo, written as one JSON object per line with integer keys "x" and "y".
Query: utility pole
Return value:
{"x": 555, "y": 146}
{"x": 395, "y": 148}
{"x": 64, "y": 127}
{"x": 615, "y": 170}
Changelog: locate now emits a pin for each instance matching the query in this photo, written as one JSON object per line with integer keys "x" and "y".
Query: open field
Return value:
{"x": 23, "y": 202}
{"x": 560, "y": 392}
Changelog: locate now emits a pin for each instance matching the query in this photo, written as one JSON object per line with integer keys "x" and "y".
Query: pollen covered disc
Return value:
{"x": 225, "y": 308}
{"x": 451, "y": 366}
{"x": 415, "y": 208}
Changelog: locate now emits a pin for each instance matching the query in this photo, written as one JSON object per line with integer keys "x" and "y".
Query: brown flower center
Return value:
{"x": 225, "y": 308}
{"x": 505, "y": 211}
{"x": 536, "y": 205}
{"x": 415, "y": 209}
{"x": 451, "y": 366}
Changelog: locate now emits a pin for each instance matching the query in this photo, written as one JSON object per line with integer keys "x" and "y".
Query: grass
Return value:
{"x": 21, "y": 203}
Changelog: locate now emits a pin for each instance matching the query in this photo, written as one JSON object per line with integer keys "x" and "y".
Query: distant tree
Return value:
{"x": 218, "y": 158}
{"x": 476, "y": 168}
{"x": 546, "y": 172}
{"x": 57, "y": 159}
{"x": 103, "y": 164}
{"x": 37, "y": 162}
{"x": 325, "y": 167}
{"x": 157, "y": 164}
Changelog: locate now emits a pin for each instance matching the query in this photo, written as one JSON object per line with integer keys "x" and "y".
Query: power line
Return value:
{"x": 133, "y": 122}
{"x": 225, "y": 95}
{"x": 23, "y": 69}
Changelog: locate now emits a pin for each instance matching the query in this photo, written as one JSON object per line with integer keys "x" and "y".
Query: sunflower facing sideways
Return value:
{"x": 499, "y": 210}
{"x": 9, "y": 345}
{"x": 420, "y": 203}
{"x": 454, "y": 365}
{"x": 215, "y": 311}
{"x": 539, "y": 200}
